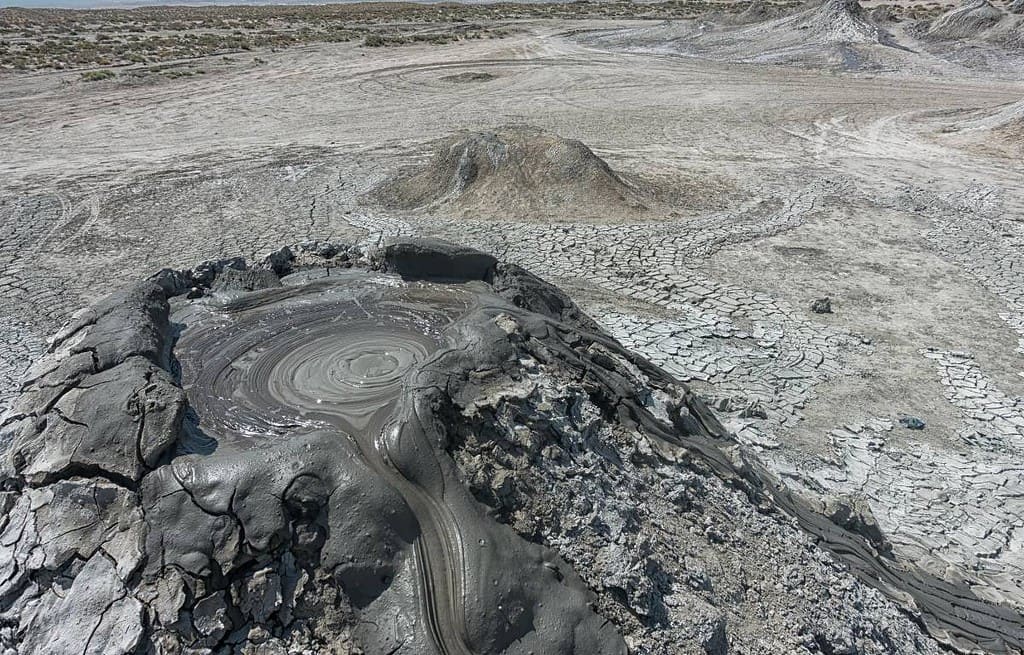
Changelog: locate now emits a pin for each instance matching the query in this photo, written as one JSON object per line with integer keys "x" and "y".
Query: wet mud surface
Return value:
{"x": 278, "y": 455}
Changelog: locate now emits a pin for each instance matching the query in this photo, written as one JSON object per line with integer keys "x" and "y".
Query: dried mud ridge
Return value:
{"x": 278, "y": 457}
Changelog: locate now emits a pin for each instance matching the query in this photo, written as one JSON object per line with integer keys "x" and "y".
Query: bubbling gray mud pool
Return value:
{"x": 278, "y": 459}
{"x": 333, "y": 351}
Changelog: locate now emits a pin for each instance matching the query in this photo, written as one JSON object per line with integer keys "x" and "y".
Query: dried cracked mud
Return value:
{"x": 370, "y": 442}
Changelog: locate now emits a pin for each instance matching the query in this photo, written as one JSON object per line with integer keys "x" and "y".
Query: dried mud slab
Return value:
{"x": 338, "y": 450}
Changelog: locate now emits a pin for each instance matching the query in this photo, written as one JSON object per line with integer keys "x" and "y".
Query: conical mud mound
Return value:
{"x": 833, "y": 34}
{"x": 968, "y": 21}
{"x": 412, "y": 449}
{"x": 978, "y": 21}
{"x": 839, "y": 21}
{"x": 514, "y": 172}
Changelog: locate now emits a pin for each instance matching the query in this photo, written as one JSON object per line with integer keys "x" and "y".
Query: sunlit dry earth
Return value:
{"x": 717, "y": 190}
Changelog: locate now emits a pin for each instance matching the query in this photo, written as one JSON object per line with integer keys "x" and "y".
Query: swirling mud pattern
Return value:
{"x": 313, "y": 354}
{"x": 336, "y": 359}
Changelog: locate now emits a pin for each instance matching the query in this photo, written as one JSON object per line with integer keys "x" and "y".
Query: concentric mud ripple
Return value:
{"x": 312, "y": 355}
{"x": 355, "y": 376}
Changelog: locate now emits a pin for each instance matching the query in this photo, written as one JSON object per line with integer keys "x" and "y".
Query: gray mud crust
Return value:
{"x": 415, "y": 448}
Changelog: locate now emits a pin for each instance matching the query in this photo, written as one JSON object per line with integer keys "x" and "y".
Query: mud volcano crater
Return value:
{"x": 331, "y": 451}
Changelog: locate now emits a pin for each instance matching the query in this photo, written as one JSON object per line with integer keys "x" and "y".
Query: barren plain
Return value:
{"x": 698, "y": 180}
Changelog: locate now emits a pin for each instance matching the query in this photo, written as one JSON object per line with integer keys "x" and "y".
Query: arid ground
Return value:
{"x": 742, "y": 185}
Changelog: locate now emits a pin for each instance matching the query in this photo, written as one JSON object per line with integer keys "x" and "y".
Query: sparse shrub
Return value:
{"x": 96, "y": 76}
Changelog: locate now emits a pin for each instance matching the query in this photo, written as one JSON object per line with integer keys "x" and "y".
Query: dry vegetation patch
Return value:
{"x": 34, "y": 39}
